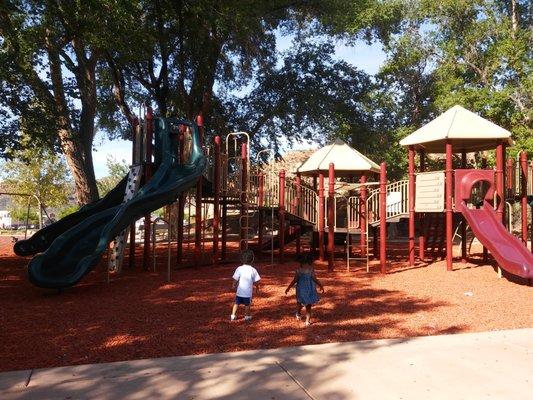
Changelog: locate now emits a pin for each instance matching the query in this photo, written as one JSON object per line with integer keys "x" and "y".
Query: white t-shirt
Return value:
{"x": 246, "y": 275}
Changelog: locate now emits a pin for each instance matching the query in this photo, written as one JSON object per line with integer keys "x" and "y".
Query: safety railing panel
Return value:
{"x": 397, "y": 201}
{"x": 299, "y": 201}
{"x": 354, "y": 212}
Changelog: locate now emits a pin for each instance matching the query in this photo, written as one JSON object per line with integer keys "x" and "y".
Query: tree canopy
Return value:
{"x": 69, "y": 69}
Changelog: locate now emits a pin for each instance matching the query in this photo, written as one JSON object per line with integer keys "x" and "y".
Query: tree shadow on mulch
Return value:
{"x": 139, "y": 315}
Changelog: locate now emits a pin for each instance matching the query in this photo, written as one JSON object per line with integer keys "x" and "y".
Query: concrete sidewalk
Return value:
{"x": 491, "y": 365}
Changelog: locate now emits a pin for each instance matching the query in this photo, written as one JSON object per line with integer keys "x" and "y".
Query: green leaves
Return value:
{"x": 42, "y": 173}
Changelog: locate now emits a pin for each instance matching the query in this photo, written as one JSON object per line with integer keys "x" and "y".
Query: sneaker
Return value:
{"x": 248, "y": 318}
{"x": 307, "y": 323}
{"x": 232, "y": 317}
{"x": 298, "y": 316}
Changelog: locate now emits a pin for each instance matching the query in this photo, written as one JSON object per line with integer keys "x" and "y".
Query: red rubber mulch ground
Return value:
{"x": 139, "y": 315}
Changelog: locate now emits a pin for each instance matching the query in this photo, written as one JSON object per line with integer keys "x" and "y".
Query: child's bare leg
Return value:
{"x": 298, "y": 309}
{"x": 308, "y": 314}
{"x": 234, "y": 309}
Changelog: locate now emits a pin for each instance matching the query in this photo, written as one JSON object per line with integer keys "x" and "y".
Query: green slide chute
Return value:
{"x": 77, "y": 250}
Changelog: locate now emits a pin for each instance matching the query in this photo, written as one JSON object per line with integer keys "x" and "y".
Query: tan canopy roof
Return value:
{"x": 467, "y": 131}
{"x": 347, "y": 160}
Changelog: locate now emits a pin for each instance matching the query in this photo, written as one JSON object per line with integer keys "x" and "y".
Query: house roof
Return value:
{"x": 346, "y": 159}
{"x": 466, "y": 130}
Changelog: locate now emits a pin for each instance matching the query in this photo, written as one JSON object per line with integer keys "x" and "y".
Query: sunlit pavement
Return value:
{"x": 489, "y": 365}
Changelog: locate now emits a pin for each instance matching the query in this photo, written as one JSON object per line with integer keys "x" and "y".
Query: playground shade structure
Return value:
{"x": 468, "y": 131}
{"x": 77, "y": 250}
{"x": 347, "y": 160}
{"x": 460, "y": 130}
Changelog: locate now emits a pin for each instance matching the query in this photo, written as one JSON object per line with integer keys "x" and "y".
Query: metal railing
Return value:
{"x": 397, "y": 201}
{"x": 299, "y": 201}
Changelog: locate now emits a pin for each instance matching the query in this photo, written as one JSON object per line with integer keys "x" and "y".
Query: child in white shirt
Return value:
{"x": 245, "y": 278}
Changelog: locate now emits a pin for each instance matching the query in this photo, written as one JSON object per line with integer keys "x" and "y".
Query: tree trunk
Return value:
{"x": 78, "y": 152}
{"x": 82, "y": 171}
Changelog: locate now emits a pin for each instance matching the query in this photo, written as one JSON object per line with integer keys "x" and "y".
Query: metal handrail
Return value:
{"x": 394, "y": 210}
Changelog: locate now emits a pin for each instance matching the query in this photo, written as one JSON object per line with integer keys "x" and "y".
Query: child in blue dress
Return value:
{"x": 306, "y": 282}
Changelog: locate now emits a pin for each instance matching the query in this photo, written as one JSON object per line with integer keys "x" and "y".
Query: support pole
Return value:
{"x": 523, "y": 194}
{"x": 147, "y": 176}
{"x": 224, "y": 235}
{"x": 411, "y": 153}
{"x": 135, "y": 160}
{"x": 321, "y": 218}
{"x": 181, "y": 198}
{"x": 216, "y": 201}
{"x": 383, "y": 218}
{"x": 362, "y": 214}
{"x": 281, "y": 215}
{"x": 509, "y": 182}
{"x": 260, "y": 204}
{"x": 484, "y": 166}
{"x": 198, "y": 203}
{"x": 298, "y": 212}
{"x": 331, "y": 216}
{"x": 463, "y": 219}
{"x": 243, "y": 236}
{"x": 531, "y": 242}
{"x": 422, "y": 226}
{"x": 314, "y": 236}
{"x": 449, "y": 211}
{"x": 499, "y": 181}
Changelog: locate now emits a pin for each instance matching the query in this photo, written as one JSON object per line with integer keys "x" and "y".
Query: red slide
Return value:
{"x": 509, "y": 251}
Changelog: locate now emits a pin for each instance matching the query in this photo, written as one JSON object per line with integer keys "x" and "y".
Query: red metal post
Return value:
{"x": 531, "y": 243}
{"x": 449, "y": 210}
{"x": 281, "y": 215}
{"x": 362, "y": 213}
{"x": 147, "y": 176}
{"x": 523, "y": 194}
{"x": 260, "y": 204}
{"x": 224, "y": 236}
{"x": 509, "y": 182}
{"x": 331, "y": 216}
{"x": 463, "y": 219}
{"x": 321, "y": 217}
{"x": 383, "y": 218}
{"x": 244, "y": 196}
{"x": 411, "y": 154}
{"x": 198, "y": 203}
{"x": 298, "y": 211}
{"x": 181, "y": 198}
{"x": 499, "y": 180}
{"x": 484, "y": 166}
{"x": 421, "y": 235}
{"x": 134, "y": 161}
{"x": 216, "y": 200}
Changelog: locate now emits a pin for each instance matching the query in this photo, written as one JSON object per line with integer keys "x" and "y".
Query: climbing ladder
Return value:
{"x": 435, "y": 234}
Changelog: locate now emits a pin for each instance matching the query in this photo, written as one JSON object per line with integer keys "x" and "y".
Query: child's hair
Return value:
{"x": 247, "y": 256}
{"x": 306, "y": 259}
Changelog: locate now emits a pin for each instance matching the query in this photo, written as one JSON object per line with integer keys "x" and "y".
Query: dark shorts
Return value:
{"x": 242, "y": 300}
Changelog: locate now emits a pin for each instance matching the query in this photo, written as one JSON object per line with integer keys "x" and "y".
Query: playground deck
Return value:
{"x": 140, "y": 315}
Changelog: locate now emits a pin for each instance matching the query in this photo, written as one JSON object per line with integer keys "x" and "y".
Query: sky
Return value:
{"x": 366, "y": 57}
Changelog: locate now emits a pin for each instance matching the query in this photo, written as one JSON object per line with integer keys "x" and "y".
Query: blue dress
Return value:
{"x": 306, "y": 288}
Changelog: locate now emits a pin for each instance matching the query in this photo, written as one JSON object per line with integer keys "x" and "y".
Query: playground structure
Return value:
{"x": 229, "y": 198}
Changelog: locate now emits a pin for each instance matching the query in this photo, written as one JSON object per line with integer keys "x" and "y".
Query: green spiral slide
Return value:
{"x": 77, "y": 250}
